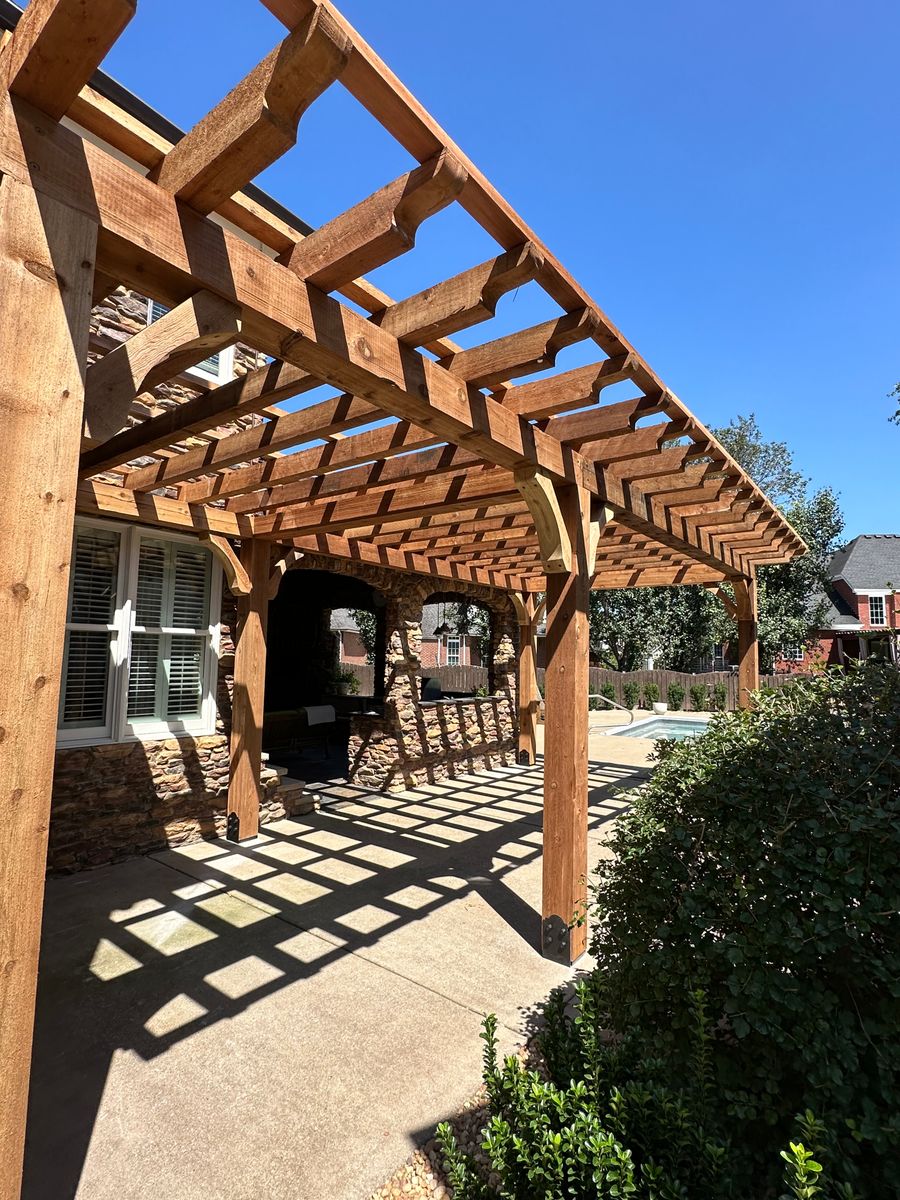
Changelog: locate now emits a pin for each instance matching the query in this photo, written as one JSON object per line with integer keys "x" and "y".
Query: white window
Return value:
{"x": 876, "y": 610}
{"x": 453, "y": 646}
{"x": 218, "y": 368}
{"x": 792, "y": 653}
{"x": 142, "y": 636}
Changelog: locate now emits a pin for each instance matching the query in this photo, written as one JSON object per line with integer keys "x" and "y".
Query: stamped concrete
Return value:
{"x": 285, "y": 1017}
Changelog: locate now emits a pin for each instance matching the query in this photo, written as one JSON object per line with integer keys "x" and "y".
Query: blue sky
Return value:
{"x": 723, "y": 179}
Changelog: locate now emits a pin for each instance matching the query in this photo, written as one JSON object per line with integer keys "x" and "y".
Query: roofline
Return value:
{"x": 118, "y": 94}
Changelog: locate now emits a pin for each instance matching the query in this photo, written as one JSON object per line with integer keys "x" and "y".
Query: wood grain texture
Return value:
{"x": 565, "y": 865}
{"x": 244, "y": 787}
{"x": 257, "y": 121}
{"x": 747, "y": 605}
{"x": 551, "y": 528}
{"x": 46, "y": 273}
{"x": 181, "y": 338}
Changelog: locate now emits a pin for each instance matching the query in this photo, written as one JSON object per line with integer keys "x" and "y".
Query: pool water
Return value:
{"x": 674, "y": 729}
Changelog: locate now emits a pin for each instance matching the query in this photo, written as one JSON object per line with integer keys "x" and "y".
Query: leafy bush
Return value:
{"x": 720, "y": 696}
{"x": 630, "y": 693}
{"x": 700, "y": 697}
{"x": 675, "y": 695}
{"x": 608, "y": 690}
{"x": 600, "y": 1121}
{"x": 761, "y": 864}
{"x": 651, "y": 694}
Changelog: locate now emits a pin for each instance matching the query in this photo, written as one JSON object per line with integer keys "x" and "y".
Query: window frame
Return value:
{"x": 880, "y": 599}
{"x": 457, "y": 638}
{"x": 118, "y": 727}
{"x": 225, "y": 372}
{"x": 794, "y": 654}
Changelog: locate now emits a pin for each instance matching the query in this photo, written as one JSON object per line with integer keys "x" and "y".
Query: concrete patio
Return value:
{"x": 288, "y": 1017}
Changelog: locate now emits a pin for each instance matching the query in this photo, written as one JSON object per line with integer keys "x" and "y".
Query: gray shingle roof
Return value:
{"x": 871, "y": 560}
{"x": 838, "y": 612}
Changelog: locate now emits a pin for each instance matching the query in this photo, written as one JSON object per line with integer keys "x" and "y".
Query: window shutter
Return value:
{"x": 151, "y": 584}
{"x": 190, "y": 596}
{"x": 143, "y": 675}
{"x": 185, "y": 677}
{"x": 92, "y": 601}
{"x": 87, "y": 677}
{"x": 95, "y": 568}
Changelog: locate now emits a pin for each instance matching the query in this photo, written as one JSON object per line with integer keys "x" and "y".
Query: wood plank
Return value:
{"x": 307, "y": 424}
{"x": 336, "y": 546}
{"x": 181, "y": 338}
{"x": 576, "y": 389}
{"x": 603, "y": 421}
{"x": 257, "y": 121}
{"x": 486, "y": 527}
{"x": 384, "y": 442}
{"x": 244, "y": 787}
{"x": 521, "y": 353}
{"x": 460, "y": 302}
{"x": 747, "y": 605}
{"x": 379, "y": 228}
{"x": 46, "y": 273}
{"x": 251, "y": 393}
{"x": 56, "y": 47}
{"x": 152, "y": 243}
{"x": 235, "y": 571}
{"x": 96, "y": 499}
{"x": 469, "y": 491}
{"x": 565, "y": 859}
{"x": 549, "y": 523}
{"x": 368, "y": 478}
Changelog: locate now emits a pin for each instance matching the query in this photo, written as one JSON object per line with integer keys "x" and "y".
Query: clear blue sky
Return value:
{"x": 723, "y": 179}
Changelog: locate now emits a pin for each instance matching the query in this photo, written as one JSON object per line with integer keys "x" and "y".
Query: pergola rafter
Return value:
{"x": 426, "y": 457}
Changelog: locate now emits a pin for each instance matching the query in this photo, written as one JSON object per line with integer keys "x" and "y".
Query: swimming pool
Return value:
{"x": 674, "y": 729}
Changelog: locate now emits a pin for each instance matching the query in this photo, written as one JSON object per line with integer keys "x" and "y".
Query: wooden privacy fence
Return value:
{"x": 452, "y": 679}
{"x": 709, "y": 679}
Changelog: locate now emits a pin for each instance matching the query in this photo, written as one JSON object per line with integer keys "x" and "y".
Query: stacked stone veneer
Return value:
{"x": 417, "y": 742}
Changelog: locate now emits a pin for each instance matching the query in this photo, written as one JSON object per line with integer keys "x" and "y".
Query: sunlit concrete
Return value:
{"x": 285, "y": 1018}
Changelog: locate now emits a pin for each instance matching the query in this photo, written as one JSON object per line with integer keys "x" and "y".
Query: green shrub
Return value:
{"x": 700, "y": 697}
{"x": 600, "y": 1121}
{"x": 630, "y": 693}
{"x": 651, "y": 694}
{"x": 675, "y": 695}
{"x": 720, "y": 696}
{"x": 608, "y": 690}
{"x": 761, "y": 863}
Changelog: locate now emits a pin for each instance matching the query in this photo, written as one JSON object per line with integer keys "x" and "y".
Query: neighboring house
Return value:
{"x": 862, "y": 616}
{"x": 443, "y": 644}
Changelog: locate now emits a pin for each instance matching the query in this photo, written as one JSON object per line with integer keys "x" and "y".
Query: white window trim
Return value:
{"x": 882, "y": 597}
{"x": 458, "y": 639}
{"x": 226, "y": 358}
{"x": 793, "y": 654}
{"x": 118, "y": 727}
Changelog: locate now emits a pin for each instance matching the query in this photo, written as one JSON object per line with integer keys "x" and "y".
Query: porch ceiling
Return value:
{"x": 443, "y": 484}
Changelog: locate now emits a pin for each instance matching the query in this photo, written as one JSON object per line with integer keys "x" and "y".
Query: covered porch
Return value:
{"x": 410, "y": 454}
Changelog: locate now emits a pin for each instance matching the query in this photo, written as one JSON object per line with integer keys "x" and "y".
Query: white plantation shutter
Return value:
{"x": 90, "y": 630}
{"x": 140, "y": 636}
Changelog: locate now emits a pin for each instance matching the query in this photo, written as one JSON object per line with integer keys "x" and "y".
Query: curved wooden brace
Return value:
{"x": 553, "y": 538}
{"x": 180, "y": 339}
{"x": 235, "y": 572}
{"x": 601, "y": 515}
{"x": 379, "y": 228}
{"x": 257, "y": 121}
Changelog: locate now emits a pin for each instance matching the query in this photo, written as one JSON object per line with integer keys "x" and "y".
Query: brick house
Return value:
{"x": 443, "y": 643}
{"x": 862, "y": 616}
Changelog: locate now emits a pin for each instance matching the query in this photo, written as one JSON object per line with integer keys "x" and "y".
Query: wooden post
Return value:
{"x": 244, "y": 789}
{"x": 46, "y": 275}
{"x": 748, "y": 646}
{"x": 527, "y": 611}
{"x": 565, "y": 864}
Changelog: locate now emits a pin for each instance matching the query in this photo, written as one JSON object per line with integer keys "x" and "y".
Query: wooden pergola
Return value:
{"x": 426, "y": 458}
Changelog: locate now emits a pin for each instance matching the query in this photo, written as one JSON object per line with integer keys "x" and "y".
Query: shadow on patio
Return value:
{"x": 173, "y": 1053}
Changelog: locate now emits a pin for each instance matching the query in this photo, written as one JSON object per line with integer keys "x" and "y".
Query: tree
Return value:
{"x": 366, "y": 623}
{"x": 894, "y": 394}
{"x": 679, "y": 625}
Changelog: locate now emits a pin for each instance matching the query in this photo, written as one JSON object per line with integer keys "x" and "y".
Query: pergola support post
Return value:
{"x": 746, "y": 604}
{"x": 565, "y": 864}
{"x": 46, "y": 275}
{"x": 244, "y": 788}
